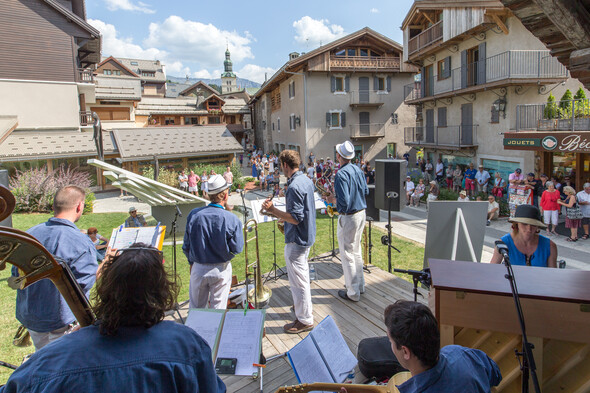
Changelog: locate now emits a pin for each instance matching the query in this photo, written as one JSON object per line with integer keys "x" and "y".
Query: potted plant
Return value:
{"x": 549, "y": 115}
{"x": 564, "y": 123}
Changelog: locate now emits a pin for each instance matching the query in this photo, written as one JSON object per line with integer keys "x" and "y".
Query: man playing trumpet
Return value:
{"x": 299, "y": 237}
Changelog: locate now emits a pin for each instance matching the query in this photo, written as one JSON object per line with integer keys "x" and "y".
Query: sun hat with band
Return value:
{"x": 217, "y": 184}
{"x": 528, "y": 214}
{"x": 346, "y": 150}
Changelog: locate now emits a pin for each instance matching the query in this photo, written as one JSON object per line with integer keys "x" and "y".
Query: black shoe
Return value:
{"x": 343, "y": 295}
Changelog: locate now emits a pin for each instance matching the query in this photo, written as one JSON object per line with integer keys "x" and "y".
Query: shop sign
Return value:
{"x": 557, "y": 142}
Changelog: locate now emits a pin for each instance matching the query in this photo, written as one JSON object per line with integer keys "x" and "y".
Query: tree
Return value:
{"x": 550, "y": 111}
{"x": 215, "y": 87}
{"x": 565, "y": 105}
{"x": 582, "y": 104}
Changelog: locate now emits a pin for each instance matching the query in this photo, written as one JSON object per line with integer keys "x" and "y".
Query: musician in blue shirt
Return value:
{"x": 350, "y": 187}
{"x": 131, "y": 348}
{"x": 415, "y": 341}
{"x": 40, "y": 307}
{"x": 212, "y": 238}
{"x": 300, "y": 228}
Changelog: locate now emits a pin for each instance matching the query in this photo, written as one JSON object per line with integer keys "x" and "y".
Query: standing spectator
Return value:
{"x": 369, "y": 174}
{"x": 310, "y": 170}
{"x": 229, "y": 178}
{"x": 440, "y": 167}
{"x": 470, "y": 179}
{"x": 319, "y": 169}
{"x": 449, "y": 177}
{"x": 499, "y": 185}
{"x": 406, "y": 157}
{"x": 535, "y": 186}
{"x": 241, "y": 159}
{"x": 550, "y": 207}
{"x": 183, "y": 180}
{"x": 457, "y": 178}
{"x": 428, "y": 169}
{"x": 567, "y": 181}
{"x": 516, "y": 178}
{"x": 583, "y": 198}
{"x": 262, "y": 181}
{"x": 40, "y": 307}
{"x": 409, "y": 189}
{"x": 482, "y": 177}
{"x": 311, "y": 158}
{"x": 204, "y": 184}
{"x": 254, "y": 168}
{"x": 192, "y": 183}
{"x": 422, "y": 164}
{"x": 571, "y": 205}
{"x": 418, "y": 193}
{"x": 493, "y": 209}
{"x": 556, "y": 184}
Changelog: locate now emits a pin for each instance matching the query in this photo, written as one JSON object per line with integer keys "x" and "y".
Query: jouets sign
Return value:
{"x": 565, "y": 142}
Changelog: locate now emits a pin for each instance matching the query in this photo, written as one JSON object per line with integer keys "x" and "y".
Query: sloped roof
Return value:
{"x": 235, "y": 105}
{"x": 145, "y": 65}
{"x": 438, "y": 5}
{"x": 173, "y": 90}
{"x": 7, "y": 125}
{"x": 34, "y": 145}
{"x": 111, "y": 58}
{"x": 168, "y": 106}
{"x": 118, "y": 88}
{"x": 174, "y": 142}
{"x": 195, "y": 85}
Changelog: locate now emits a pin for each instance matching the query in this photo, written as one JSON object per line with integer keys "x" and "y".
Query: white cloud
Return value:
{"x": 127, "y": 5}
{"x": 204, "y": 74}
{"x": 113, "y": 45}
{"x": 311, "y": 32}
{"x": 255, "y": 73}
{"x": 374, "y": 11}
{"x": 176, "y": 68}
{"x": 198, "y": 42}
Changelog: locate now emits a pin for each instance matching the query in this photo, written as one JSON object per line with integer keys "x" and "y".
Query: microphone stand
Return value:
{"x": 422, "y": 276}
{"x": 528, "y": 366}
{"x": 177, "y": 306}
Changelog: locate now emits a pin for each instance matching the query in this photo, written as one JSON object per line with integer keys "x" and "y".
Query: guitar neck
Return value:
{"x": 69, "y": 288}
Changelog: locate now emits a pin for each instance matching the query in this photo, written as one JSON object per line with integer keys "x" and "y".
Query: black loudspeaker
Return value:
{"x": 4, "y": 181}
{"x": 372, "y": 211}
{"x": 390, "y": 177}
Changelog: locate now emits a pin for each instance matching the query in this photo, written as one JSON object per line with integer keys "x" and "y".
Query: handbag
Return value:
{"x": 574, "y": 212}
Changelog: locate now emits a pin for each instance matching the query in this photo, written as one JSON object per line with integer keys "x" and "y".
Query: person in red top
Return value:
{"x": 550, "y": 206}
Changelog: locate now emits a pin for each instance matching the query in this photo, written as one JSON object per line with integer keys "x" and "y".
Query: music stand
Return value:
{"x": 177, "y": 306}
{"x": 275, "y": 267}
{"x": 333, "y": 253}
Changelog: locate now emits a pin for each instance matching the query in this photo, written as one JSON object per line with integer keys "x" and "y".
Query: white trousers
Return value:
{"x": 350, "y": 230}
{"x": 42, "y": 339}
{"x": 298, "y": 272}
{"x": 210, "y": 284}
{"x": 551, "y": 217}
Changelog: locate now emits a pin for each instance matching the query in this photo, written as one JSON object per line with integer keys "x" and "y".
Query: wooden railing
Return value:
{"x": 425, "y": 38}
{"x": 364, "y": 62}
{"x": 86, "y": 118}
{"x": 85, "y": 75}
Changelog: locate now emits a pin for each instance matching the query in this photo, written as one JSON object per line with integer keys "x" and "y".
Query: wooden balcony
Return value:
{"x": 85, "y": 75}
{"x": 426, "y": 38}
{"x": 367, "y": 98}
{"x": 86, "y": 118}
{"x": 364, "y": 63}
{"x": 367, "y": 131}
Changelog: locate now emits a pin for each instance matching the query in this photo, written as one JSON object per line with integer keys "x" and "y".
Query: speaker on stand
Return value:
{"x": 390, "y": 176}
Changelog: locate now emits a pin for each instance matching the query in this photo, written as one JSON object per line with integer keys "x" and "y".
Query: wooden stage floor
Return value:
{"x": 356, "y": 320}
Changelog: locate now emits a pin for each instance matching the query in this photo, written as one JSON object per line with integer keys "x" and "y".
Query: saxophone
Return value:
{"x": 280, "y": 224}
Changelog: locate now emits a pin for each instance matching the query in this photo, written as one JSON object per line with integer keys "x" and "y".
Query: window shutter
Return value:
{"x": 343, "y": 119}
{"x": 347, "y": 84}
{"x": 333, "y": 84}
{"x": 375, "y": 83}
{"x": 290, "y": 91}
{"x": 388, "y": 84}
{"x": 481, "y": 64}
{"x": 293, "y": 88}
{"x": 463, "y": 69}
{"x": 328, "y": 119}
{"x": 447, "y": 63}
{"x": 422, "y": 82}
{"x": 442, "y": 117}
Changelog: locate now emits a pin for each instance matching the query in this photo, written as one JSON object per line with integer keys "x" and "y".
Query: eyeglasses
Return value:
{"x": 123, "y": 250}
{"x": 134, "y": 211}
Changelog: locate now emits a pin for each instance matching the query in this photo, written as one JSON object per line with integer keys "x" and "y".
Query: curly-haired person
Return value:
{"x": 131, "y": 348}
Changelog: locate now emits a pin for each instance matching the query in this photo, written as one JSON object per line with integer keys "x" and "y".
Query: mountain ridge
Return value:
{"x": 241, "y": 82}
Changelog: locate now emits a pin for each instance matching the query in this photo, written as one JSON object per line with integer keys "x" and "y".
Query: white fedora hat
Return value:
{"x": 346, "y": 150}
{"x": 217, "y": 184}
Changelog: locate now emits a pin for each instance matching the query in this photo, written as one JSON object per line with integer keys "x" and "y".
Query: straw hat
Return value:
{"x": 528, "y": 214}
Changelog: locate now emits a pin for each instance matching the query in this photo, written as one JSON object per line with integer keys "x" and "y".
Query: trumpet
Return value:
{"x": 280, "y": 224}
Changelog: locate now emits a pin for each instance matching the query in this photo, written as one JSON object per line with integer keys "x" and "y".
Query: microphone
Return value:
{"x": 178, "y": 211}
{"x": 502, "y": 248}
{"x": 392, "y": 194}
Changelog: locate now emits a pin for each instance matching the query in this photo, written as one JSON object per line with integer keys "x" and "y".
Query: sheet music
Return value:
{"x": 308, "y": 363}
{"x": 125, "y": 237}
{"x": 206, "y": 323}
{"x": 338, "y": 357}
{"x": 241, "y": 339}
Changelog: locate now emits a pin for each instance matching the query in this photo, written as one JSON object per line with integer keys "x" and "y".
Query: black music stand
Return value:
{"x": 275, "y": 267}
{"x": 176, "y": 308}
{"x": 369, "y": 246}
{"x": 333, "y": 253}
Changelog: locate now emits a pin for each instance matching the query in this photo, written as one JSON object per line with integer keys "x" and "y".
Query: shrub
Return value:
{"x": 35, "y": 188}
{"x": 550, "y": 111}
{"x": 165, "y": 176}
{"x": 565, "y": 105}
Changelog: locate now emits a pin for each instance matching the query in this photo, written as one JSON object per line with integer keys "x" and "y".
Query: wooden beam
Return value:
{"x": 426, "y": 16}
{"x": 500, "y": 24}
{"x": 569, "y": 18}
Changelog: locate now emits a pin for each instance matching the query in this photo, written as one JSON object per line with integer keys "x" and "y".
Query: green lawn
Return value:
{"x": 410, "y": 258}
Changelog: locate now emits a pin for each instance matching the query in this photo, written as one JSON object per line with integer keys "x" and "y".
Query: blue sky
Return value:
{"x": 190, "y": 36}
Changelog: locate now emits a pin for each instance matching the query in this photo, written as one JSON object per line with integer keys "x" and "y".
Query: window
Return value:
{"x": 340, "y": 84}
{"x": 292, "y": 89}
{"x": 340, "y": 53}
{"x": 444, "y": 68}
{"x": 134, "y": 63}
{"x": 107, "y": 72}
{"x": 351, "y": 52}
{"x": 148, "y": 73}
{"x": 275, "y": 99}
{"x": 364, "y": 52}
{"x": 382, "y": 84}
{"x": 169, "y": 120}
{"x": 292, "y": 122}
{"x": 391, "y": 150}
{"x": 279, "y": 124}
{"x": 214, "y": 120}
{"x": 116, "y": 72}
{"x": 335, "y": 119}
{"x": 394, "y": 119}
